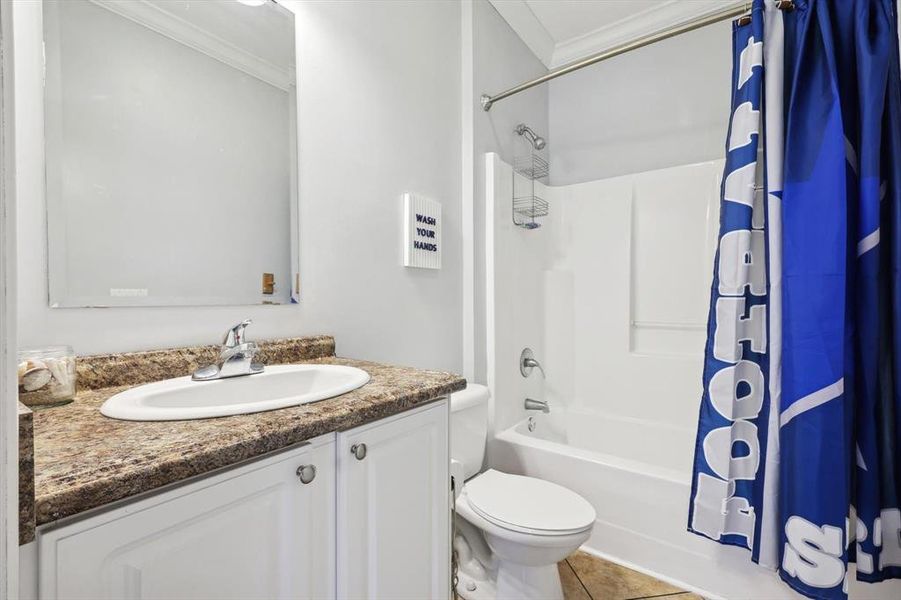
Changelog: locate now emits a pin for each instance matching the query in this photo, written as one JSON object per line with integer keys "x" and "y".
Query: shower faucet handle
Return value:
{"x": 527, "y": 362}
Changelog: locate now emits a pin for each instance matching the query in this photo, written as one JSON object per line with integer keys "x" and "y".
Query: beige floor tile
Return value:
{"x": 572, "y": 587}
{"x": 608, "y": 581}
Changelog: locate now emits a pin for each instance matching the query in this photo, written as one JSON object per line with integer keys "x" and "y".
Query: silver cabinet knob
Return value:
{"x": 307, "y": 473}
{"x": 359, "y": 451}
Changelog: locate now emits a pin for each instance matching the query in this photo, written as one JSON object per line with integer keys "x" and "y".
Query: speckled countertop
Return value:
{"x": 83, "y": 460}
{"x": 26, "y": 474}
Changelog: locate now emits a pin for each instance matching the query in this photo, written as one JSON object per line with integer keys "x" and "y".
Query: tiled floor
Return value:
{"x": 586, "y": 577}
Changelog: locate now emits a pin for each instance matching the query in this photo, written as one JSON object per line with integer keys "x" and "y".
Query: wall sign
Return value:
{"x": 422, "y": 232}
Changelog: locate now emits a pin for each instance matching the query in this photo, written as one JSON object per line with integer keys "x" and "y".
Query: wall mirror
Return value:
{"x": 171, "y": 152}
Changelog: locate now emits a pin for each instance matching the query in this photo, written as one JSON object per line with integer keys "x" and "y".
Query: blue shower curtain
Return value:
{"x": 797, "y": 457}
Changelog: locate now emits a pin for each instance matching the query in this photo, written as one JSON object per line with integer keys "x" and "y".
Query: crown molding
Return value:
{"x": 646, "y": 22}
{"x": 176, "y": 28}
{"x": 520, "y": 17}
{"x": 652, "y": 20}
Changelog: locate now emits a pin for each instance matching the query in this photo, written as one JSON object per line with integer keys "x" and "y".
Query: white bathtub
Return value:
{"x": 637, "y": 476}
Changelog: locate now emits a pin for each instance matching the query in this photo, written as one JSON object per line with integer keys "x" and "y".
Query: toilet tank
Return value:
{"x": 469, "y": 427}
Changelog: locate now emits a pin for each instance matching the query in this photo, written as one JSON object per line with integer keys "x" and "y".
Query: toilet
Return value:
{"x": 510, "y": 530}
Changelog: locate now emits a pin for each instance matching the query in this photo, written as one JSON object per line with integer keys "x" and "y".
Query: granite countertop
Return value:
{"x": 83, "y": 460}
{"x": 26, "y": 474}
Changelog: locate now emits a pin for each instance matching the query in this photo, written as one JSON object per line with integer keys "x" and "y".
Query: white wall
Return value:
{"x": 379, "y": 100}
{"x": 660, "y": 106}
{"x": 501, "y": 60}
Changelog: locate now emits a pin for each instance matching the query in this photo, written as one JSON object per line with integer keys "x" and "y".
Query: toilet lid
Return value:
{"x": 525, "y": 503}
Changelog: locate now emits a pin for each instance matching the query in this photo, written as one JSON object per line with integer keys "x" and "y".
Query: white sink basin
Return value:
{"x": 278, "y": 386}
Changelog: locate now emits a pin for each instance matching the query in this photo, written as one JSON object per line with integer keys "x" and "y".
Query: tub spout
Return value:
{"x": 537, "y": 405}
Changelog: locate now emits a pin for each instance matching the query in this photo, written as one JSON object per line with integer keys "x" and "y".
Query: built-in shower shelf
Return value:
{"x": 531, "y": 167}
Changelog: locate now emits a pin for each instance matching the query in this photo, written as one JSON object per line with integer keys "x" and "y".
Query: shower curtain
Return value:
{"x": 797, "y": 456}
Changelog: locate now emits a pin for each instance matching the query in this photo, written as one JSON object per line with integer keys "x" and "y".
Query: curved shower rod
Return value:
{"x": 715, "y": 17}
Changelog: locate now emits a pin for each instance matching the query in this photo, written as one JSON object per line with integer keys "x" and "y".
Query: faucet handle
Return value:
{"x": 527, "y": 362}
{"x": 235, "y": 335}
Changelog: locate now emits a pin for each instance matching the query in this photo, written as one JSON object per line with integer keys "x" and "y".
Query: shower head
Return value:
{"x": 536, "y": 140}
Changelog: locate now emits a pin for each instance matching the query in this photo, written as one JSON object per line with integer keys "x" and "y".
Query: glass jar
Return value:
{"x": 46, "y": 376}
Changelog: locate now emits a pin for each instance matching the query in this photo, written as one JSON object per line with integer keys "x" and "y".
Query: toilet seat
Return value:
{"x": 528, "y": 505}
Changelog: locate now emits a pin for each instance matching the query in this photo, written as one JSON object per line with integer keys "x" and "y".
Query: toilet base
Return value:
{"x": 528, "y": 583}
{"x": 470, "y": 587}
{"x": 514, "y": 582}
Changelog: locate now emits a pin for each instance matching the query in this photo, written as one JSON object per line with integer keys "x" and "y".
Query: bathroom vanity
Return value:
{"x": 347, "y": 497}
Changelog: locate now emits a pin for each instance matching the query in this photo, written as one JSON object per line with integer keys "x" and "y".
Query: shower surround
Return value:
{"x": 611, "y": 293}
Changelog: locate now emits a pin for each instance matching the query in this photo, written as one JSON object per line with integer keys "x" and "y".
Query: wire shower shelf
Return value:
{"x": 528, "y": 206}
{"x": 531, "y": 167}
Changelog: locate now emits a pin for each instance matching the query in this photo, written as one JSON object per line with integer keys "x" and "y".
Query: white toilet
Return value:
{"x": 511, "y": 530}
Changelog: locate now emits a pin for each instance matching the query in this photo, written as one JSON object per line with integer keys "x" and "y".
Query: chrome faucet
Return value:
{"x": 541, "y": 405}
{"x": 527, "y": 362}
{"x": 235, "y": 357}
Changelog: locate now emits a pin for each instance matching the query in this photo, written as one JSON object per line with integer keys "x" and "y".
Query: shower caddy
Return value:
{"x": 527, "y": 204}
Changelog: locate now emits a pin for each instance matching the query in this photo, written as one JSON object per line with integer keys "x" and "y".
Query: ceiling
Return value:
{"x": 561, "y": 31}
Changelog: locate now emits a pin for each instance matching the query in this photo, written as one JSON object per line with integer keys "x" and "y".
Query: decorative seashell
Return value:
{"x": 58, "y": 370}
{"x": 22, "y": 369}
{"x": 35, "y": 379}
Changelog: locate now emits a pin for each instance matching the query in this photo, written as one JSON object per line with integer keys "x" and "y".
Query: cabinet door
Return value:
{"x": 256, "y": 531}
{"x": 393, "y": 506}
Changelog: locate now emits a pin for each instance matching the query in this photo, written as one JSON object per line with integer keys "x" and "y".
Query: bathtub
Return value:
{"x": 637, "y": 476}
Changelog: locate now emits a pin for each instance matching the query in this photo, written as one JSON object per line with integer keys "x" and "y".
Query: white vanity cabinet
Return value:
{"x": 393, "y": 508}
{"x": 372, "y": 524}
{"x": 256, "y": 531}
